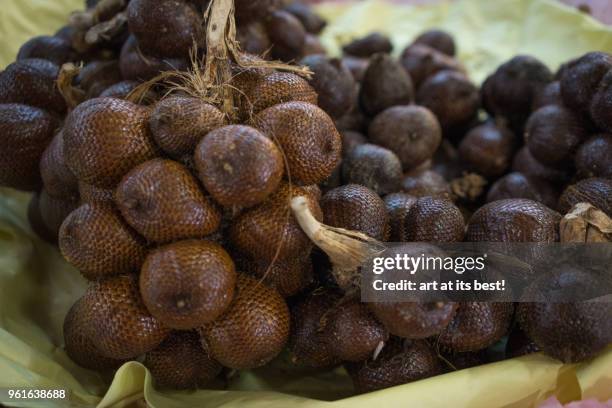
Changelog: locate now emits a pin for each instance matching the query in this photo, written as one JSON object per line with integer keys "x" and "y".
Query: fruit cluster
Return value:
{"x": 177, "y": 210}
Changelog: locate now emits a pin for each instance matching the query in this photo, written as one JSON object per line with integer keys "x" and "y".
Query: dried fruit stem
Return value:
{"x": 106, "y": 30}
{"x": 585, "y": 223}
{"x": 347, "y": 250}
{"x": 469, "y": 187}
{"x": 83, "y": 20}
{"x": 72, "y": 95}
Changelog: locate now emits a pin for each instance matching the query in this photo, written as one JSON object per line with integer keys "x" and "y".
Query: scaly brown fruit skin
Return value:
{"x": 352, "y": 332}
{"x": 181, "y": 363}
{"x": 601, "y": 105}
{"x": 553, "y": 134}
{"x": 570, "y": 332}
{"x": 54, "y": 210}
{"x": 163, "y": 201}
{"x": 106, "y": 137}
{"x": 179, "y": 123}
{"x": 239, "y": 166}
{"x": 252, "y": 331}
{"x": 518, "y": 185}
{"x": 514, "y": 220}
{"x": 374, "y": 167}
{"x": 91, "y": 194}
{"x": 288, "y": 277}
{"x": 355, "y": 207}
{"x": 426, "y": 183}
{"x": 122, "y": 328}
{"x": 581, "y": 77}
{"x": 58, "y": 179}
{"x": 26, "y": 132}
{"x": 287, "y": 35}
{"x": 350, "y": 140}
{"x": 488, "y": 149}
{"x": 411, "y": 132}
{"x": 398, "y": 206}
{"x": 268, "y": 228}
{"x": 400, "y": 362}
{"x": 307, "y": 137}
{"x": 595, "y": 191}
{"x": 78, "y": 340}
{"x": 414, "y": 320}
{"x": 593, "y": 157}
{"x": 307, "y": 344}
{"x": 166, "y": 28}
{"x": 369, "y": 45}
{"x": 525, "y": 163}
{"x": 96, "y": 241}
{"x": 422, "y": 61}
{"x": 476, "y": 326}
{"x": 98, "y": 75}
{"x": 51, "y": 48}
{"x": 138, "y": 67}
{"x": 385, "y": 84}
{"x": 433, "y": 219}
{"x": 187, "y": 284}
{"x": 32, "y": 82}
{"x": 438, "y": 40}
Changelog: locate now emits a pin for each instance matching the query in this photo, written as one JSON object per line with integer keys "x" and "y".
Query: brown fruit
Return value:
{"x": 487, "y": 149}
{"x": 252, "y": 331}
{"x": 106, "y": 137}
{"x": 355, "y": 120}
{"x": 411, "y": 132}
{"x": 477, "y": 325}
{"x": 518, "y": 185}
{"x": 270, "y": 227}
{"x": 180, "y": 362}
{"x": 422, "y": 61}
{"x": 120, "y": 90}
{"x": 239, "y": 166}
{"x": 307, "y": 137}
{"x": 95, "y": 240}
{"x": 350, "y": 140}
{"x": 32, "y": 82}
{"x": 351, "y": 331}
{"x": 54, "y": 210}
{"x": 426, "y": 183}
{"x": 313, "y": 46}
{"x": 51, "y": 48}
{"x": 253, "y": 38}
{"x": 288, "y": 277}
{"x": 187, "y": 284}
{"x": 287, "y": 35}
{"x": 553, "y": 134}
{"x": 549, "y": 95}
{"x": 58, "y": 179}
{"x": 514, "y": 220}
{"x": 398, "y": 206}
{"x": 400, "y": 362}
{"x": 96, "y": 76}
{"x": 178, "y": 123}
{"x": 333, "y": 82}
{"x": 249, "y": 10}
{"x": 121, "y": 326}
{"x": 92, "y": 194}
{"x": 595, "y": 191}
{"x": 593, "y": 157}
{"x": 581, "y": 77}
{"x": 525, "y": 163}
{"x": 601, "y": 105}
{"x": 369, "y": 45}
{"x": 166, "y": 28}
{"x": 138, "y": 67}
{"x": 433, "y": 220}
{"x": 356, "y": 208}
{"x": 78, "y": 340}
{"x": 385, "y": 84}
{"x": 26, "y": 132}
{"x": 260, "y": 91}
{"x": 374, "y": 167}
{"x": 452, "y": 97}
{"x": 163, "y": 201}
{"x": 312, "y": 22}
{"x": 438, "y": 40}
{"x": 357, "y": 66}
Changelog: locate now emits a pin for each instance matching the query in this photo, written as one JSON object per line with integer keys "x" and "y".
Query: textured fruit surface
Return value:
{"x": 120, "y": 90}
{"x": 422, "y": 61}
{"x": 178, "y": 123}
{"x": 385, "y": 84}
{"x": 581, "y": 77}
{"x": 398, "y": 206}
{"x": 414, "y": 320}
{"x": 180, "y": 362}
{"x": 98, "y": 75}
{"x": 163, "y": 201}
{"x": 352, "y": 331}
{"x": 525, "y": 163}
{"x": 32, "y": 82}
{"x": 78, "y": 340}
{"x": 270, "y": 230}
{"x": 95, "y": 240}
{"x": 426, "y": 183}
{"x": 593, "y": 157}
{"x": 104, "y": 138}
{"x": 307, "y": 137}
{"x": 487, "y": 149}
{"x": 54, "y": 210}
{"x": 187, "y": 284}
{"x": 570, "y": 332}
{"x": 121, "y": 325}
{"x": 356, "y": 208}
{"x": 253, "y": 330}
{"x": 57, "y": 178}
{"x": 288, "y": 277}
{"x": 517, "y": 185}
{"x": 51, "y": 48}
{"x": 477, "y": 326}
{"x": 513, "y": 220}
{"x": 411, "y": 132}
{"x": 136, "y": 66}
{"x": 400, "y": 362}
{"x": 25, "y": 133}
{"x": 374, "y": 167}
{"x": 307, "y": 343}
{"x": 596, "y": 191}
{"x": 93, "y": 194}
{"x": 239, "y": 166}
{"x": 369, "y": 45}
{"x": 433, "y": 220}
{"x": 287, "y": 35}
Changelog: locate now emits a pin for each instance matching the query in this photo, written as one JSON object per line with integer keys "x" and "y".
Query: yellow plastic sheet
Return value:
{"x": 37, "y": 287}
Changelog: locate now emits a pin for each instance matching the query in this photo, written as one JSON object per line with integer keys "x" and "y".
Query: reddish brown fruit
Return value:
{"x": 398, "y": 206}
{"x": 163, "y": 201}
{"x": 593, "y": 157}
{"x": 96, "y": 76}
{"x": 92, "y": 194}
{"x": 369, "y": 45}
{"x": 487, "y": 150}
{"x": 517, "y": 185}
{"x": 549, "y": 95}
{"x": 422, "y": 61}
{"x": 385, "y": 84}
{"x": 58, "y": 179}
{"x": 54, "y": 210}
{"x": 312, "y": 22}
{"x": 601, "y": 105}
{"x": 252, "y": 331}
{"x": 414, "y": 320}
{"x": 595, "y": 191}
{"x": 122, "y": 89}
{"x": 433, "y": 220}
{"x": 350, "y": 140}
{"x": 426, "y": 183}
{"x": 287, "y": 35}
{"x": 525, "y": 163}
{"x": 581, "y": 77}
{"x": 438, "y": 40}
{"x": 138, "y": 67}
{"x": 288, "y": 277}
{"x": 374, "y": 167}
{"x": 51, "y": 48}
